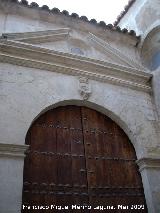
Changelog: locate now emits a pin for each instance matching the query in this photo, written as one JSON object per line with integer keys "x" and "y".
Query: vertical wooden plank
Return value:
{"x": 93, "y": 150}
{"x": 55, "y": 167}
{"x": 41, "y": 161}
{"x": 112, "y": 174}
{"x": 70, "y": 143}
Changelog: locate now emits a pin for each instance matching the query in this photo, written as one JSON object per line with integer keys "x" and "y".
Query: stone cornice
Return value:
{"x": 39, "y": 37}
{"x": 116, "y": 52}
{"x": 28, "y": 55}
{"x": 13, "y": 150}
{"x": 148, "y": 163}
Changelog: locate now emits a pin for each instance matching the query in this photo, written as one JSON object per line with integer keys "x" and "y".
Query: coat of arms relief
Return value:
{"x": 84, "y": 87}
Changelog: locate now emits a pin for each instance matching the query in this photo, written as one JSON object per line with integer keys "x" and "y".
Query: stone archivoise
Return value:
{"x": 80, "y": 110}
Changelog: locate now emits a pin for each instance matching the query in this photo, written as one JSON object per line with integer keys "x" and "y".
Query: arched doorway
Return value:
{"x": 79, "y": 156}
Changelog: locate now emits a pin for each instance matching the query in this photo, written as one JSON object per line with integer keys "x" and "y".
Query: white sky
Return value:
{"x": 102, "y": 10}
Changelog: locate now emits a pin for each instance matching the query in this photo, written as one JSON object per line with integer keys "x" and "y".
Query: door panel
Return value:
{"x": 112, "y": 174}
{"x": 79, "y": 156}
{"x": 55, "y": 160}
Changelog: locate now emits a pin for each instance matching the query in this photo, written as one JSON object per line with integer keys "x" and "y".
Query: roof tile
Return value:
{"x": 84, "y": 18}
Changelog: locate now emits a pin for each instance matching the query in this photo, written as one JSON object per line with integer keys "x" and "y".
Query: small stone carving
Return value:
{"x": 84, "y": 88}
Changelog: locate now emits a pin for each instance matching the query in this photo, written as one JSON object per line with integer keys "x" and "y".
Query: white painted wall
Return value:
{"x": 27, "y": 92}
{"x": 11, "y": 176}
{"x": 141, "y": 15}
{"x": 144, "y": 18}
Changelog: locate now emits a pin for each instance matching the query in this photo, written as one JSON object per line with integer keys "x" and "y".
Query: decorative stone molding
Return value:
{"x": 28, "y": 55}
{"x": 39, "y": 36}
{"x": 115, "y": 52}
{"x": 148, "y": 163}
{"x": 84, "y": 87}
{"x": 13, "y": 150}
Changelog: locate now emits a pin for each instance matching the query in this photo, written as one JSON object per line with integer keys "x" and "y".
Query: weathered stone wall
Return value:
{"x": 142, "y": 15}
{"x": 144, "y": 18}
{"x": 119, "y": 89}
{"x": 156, "y": 89}
{"x": 26, "y": 93}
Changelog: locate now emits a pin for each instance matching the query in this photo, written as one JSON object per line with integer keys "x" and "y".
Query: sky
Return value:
{"x": 102, "y": 10}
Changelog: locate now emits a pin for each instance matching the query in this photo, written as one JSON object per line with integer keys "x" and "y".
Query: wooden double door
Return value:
{"x": 78, "y": 156}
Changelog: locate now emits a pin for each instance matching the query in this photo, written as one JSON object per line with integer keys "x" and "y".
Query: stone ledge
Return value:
{"x": 17, "y": 48}
{"x": 148, "y": 163}
{"x": 12, "y": 150}
{"x": 74, "y": 72}
{"x": 34, "y": 57}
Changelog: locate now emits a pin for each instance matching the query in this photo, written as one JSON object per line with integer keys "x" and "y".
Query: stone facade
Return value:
{"x": 144, "y": 18}
{"x": 49, "y": 60}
